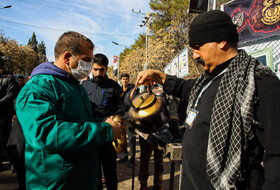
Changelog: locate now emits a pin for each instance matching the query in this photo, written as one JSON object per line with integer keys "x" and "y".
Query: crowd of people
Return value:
{"x": 64, "y": 120}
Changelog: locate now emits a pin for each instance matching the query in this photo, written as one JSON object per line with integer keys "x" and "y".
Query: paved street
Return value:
{"x": 8, "y": 180}
{"x": 125, "y": 173}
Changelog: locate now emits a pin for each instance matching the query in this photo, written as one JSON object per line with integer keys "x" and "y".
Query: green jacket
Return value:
{"x": 61, "y": 136}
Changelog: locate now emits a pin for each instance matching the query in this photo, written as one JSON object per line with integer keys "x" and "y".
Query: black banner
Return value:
{"x": 198, "y": 6}
{"x": 255, "y": 19}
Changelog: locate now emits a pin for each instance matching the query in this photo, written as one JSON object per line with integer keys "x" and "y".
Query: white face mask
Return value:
{"x": 83, "y": 69}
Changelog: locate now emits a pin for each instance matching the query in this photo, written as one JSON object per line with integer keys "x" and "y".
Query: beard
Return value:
{"x": 200, "y": 61}
{"x": 98, "y": 79}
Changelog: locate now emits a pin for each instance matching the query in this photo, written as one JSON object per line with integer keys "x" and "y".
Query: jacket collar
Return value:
{"x": 219, "y": 68}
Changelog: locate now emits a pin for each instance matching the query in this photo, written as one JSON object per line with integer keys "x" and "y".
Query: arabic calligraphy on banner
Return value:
{"x": 255, "y": 19}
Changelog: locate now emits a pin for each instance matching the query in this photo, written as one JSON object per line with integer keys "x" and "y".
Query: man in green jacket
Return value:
{"x": 56, "y": 117}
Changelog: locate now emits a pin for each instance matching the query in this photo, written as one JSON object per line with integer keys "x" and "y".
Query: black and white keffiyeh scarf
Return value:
{"x": 231, "y": 119}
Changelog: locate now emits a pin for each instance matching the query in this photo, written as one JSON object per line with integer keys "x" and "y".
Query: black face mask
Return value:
{"x": 98, "y": 79}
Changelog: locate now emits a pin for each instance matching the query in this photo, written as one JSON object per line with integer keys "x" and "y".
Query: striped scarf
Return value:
{"x": 231, "y": 119}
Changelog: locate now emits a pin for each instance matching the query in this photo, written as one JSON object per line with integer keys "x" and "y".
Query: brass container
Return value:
{"x": 120, "y": 144}
{"x": 118, "y": 118}
{"x": 148, "y": 112}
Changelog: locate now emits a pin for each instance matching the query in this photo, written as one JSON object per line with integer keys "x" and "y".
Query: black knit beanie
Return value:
{"x": 212, "y": 26}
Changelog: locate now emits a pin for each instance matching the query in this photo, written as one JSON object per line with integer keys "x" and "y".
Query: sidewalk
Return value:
{"x": 8, "y": 180}
{"x": 125, "y": 173}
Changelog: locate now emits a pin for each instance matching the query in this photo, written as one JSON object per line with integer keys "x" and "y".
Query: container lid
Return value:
{"x": 143, "y": 100}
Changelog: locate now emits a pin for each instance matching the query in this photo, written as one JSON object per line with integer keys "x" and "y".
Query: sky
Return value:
{"x": 102, "y": 21}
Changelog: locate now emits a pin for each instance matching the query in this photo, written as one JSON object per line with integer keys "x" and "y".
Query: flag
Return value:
{"x": 198, "y": 6}
{"x": 115, "y": 59}
{"x": 115, "y": 65}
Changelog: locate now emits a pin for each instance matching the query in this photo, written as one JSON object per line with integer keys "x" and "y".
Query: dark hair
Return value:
{"x": 20, "y": 77}
{"x": 2, "y": 61}
{"x": 100, "y": 59}
{"x": 71, "y": 41}
{"x": 233, "y": 45}
{"x": 1, "y": 58}
{"x": 125, "y": 75}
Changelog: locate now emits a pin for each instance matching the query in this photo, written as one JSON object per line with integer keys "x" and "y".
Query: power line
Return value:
{"x": 114, "y": 11}
{"x": 47, "y": 28}
{"x": 121, "y": 14}
{"x": 109, "y": 15}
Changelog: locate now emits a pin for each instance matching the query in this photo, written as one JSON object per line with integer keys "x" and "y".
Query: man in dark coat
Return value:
{"x": 104, "y": 95}
{"x": 8, "y": 92}
{"x": 232, "y": 140}
{"x": 16, "y": 146}
{"x": 130, "y": 131}
{"x": 15, "y": 151}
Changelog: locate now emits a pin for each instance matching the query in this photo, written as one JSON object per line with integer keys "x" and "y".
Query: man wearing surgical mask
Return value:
{"x": 104, "y": 95}
{"x": 62, "y": 136}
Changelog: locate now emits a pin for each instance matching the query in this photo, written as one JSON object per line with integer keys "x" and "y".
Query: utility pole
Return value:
{"x": 118, "y": 74}
{"x": 146, "y": 23}
{"x": 214, "y": 4}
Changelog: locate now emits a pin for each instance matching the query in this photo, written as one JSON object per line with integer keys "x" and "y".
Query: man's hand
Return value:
{"x": 14, "y": 117}
{"x": 144, "y": 77}
{"x": 116, "y": 126}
